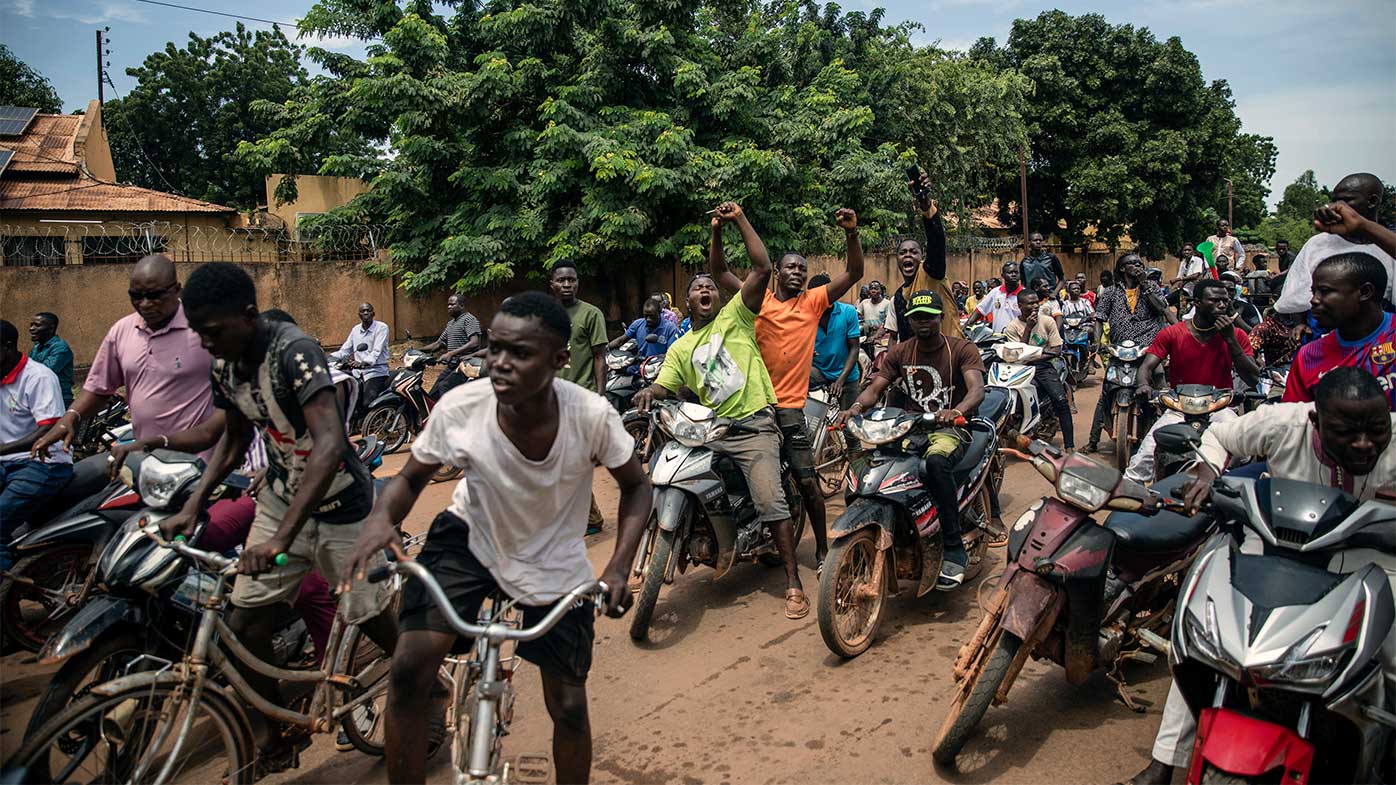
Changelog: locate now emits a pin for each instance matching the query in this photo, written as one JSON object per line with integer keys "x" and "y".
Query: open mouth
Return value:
{"x": 705, "y": 301}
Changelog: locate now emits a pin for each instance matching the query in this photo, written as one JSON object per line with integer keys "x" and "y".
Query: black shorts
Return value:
{"x": 563, "y": 652}
{"x": 794, "y": 442}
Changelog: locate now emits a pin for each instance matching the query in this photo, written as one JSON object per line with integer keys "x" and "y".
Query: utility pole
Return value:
{"x": 1229, "y": 222}
{"x": 99, "y": 68}
{"x": 1023, "y": 182}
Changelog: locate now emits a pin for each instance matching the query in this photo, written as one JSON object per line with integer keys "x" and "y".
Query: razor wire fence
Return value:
{"x": 66, "y": 243}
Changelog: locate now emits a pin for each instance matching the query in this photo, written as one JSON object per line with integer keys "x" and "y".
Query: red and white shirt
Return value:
{"x": 30, "y": 397}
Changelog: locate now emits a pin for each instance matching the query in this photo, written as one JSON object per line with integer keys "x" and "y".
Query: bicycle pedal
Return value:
{"x": 533, "y": 768}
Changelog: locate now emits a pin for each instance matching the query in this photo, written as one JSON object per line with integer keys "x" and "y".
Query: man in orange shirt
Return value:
{"x": 785, "y": 331}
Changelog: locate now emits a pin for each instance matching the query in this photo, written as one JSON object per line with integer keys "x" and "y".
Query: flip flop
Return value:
{"x": 796, "y": 604}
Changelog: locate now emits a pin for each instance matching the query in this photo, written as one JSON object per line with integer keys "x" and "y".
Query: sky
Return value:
{"x": 1318, "y": 77}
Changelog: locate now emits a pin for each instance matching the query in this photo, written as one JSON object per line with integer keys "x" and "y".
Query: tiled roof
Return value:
{"x": 46, "y": 146}
{"x": 86, "y": 194}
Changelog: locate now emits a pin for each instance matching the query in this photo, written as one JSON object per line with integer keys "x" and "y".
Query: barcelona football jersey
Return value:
{"x": 1375, "y": 353}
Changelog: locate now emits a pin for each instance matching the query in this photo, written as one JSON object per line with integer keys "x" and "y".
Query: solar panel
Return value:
{"x": 5, "y": 156}
{"x": 14, "y": 119}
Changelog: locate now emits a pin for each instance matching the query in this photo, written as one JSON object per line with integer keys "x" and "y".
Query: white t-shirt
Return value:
{"x": 527, "y": 518}
{"x": 30, "y": 396}
{"x": 1000, "y": 306}
{"x": 872, "y": 315}
{"x": 1299, "y": 282}
{"x": 1192, "y": 266}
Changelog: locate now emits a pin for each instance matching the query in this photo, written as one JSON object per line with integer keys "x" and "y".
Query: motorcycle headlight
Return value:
{"x": 161, "y": 482}
{"x": 880, "y": 431}
{"x": 1206, "y": 641}
{"x": 1126, "y": 353}
{"x": 687, "y": 431}
{"x": 1297, "y": 666}
{"x": 1010, "y": 354}
{"x": 1081, "y": 492}
{"x": 650, "y": 368}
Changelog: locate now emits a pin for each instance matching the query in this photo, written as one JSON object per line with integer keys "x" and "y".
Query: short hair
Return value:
{"x": 695, "y": 278}
{"x": 50, "y": 317}
{"x": 1009, "y": 264}
{"x": 820, "y": 279}
{"x": 536, "y": 305}
{"x": 1038, "y": 281}
{"x": 9, "y": 334}
{"x": 1127, "y": 259}
{"x": 563, "y": 265}
{"x": 220, "y": 286}
{"x": 1107, "y": 277}
{"x": 278, "y": 315}
{"x": 1199, "y": 288}
{"x": 656, "y": 300}
{"x": 1359, "y": 266}
{"x": 1026, "y": 291}
{"x": 1347, "y": 383}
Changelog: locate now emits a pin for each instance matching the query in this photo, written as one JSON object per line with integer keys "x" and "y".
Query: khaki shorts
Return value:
{"x": 758, "y": 456}
{"x": 318, "y": 546}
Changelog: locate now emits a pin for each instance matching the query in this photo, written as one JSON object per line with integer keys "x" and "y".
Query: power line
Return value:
{"x": 137, "y": 140}
{"x": 216, "y": 13}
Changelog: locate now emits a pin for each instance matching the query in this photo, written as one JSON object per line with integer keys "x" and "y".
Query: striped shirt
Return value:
{"x": 459, "y": 330}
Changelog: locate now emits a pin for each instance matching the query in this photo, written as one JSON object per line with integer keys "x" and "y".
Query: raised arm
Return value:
{"x": 848, "y": 221}
{"x": 753, "y": 289}
{"x": 934, "y": 262}
{"x": 717, "y": 257}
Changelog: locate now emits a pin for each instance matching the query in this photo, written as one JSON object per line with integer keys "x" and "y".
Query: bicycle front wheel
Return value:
{"x": 368, "y": 665}
{"x": 134, "y": 736}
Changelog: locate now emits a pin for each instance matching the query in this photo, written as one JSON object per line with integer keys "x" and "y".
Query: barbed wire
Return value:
{"x": 125, "y": 242}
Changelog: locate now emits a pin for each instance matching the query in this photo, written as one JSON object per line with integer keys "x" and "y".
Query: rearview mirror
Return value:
{"x": 363, "y": 347}
{"x": 1179, "y": 437}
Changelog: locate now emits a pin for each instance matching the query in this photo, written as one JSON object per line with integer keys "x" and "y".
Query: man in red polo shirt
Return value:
{"x": 1201, "y": 350}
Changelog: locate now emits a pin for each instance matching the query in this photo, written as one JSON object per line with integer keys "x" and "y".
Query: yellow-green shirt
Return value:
{"x": 721, "y": 364}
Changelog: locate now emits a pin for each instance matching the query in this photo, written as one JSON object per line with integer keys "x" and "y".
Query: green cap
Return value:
{"x": 924, "y": 301}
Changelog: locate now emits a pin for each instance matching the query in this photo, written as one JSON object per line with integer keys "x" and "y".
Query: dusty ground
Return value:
{"x": 729, "y": 691}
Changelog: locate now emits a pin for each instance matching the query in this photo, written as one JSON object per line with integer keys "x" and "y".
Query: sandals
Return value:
{"x": 996, "y": 533}
{"x": 796, "y": 604}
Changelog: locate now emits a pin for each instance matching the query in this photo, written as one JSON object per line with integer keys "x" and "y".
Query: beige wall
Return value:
{"x": 90, "y": 144}
{"x": 314, "y": 194}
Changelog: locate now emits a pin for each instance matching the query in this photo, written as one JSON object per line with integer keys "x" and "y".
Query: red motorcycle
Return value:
{"x": 1082, "y": 595}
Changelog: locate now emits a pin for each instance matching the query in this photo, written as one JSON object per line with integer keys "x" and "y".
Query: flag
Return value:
{"x": 1206, "y": 248}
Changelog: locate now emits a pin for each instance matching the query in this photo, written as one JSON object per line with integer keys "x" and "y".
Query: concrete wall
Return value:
{"x": 314, "y": 194}
{"x": 90, "y": 144}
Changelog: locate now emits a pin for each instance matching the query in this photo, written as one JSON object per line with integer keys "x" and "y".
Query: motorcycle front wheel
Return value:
{"x": 851, "y": 594}
{"x": 976, "y": 693}
{"x": 34, "y": 601}
{"x": 1122, "y": 434}
{"x": 387, "y": 424}
{"x": 648, "y": 596}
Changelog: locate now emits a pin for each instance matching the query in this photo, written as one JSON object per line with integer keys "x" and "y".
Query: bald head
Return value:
{"x": 1362, "y": 191}
{"x": 366, "y": 314}
{"x": 156, "y": 268}
{"x": 154, "y": 290}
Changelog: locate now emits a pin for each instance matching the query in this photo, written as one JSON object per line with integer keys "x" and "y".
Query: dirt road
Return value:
{"x": 730, "y": 691}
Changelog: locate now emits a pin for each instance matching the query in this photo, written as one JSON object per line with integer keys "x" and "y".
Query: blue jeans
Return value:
{"x": 24, "y": 486}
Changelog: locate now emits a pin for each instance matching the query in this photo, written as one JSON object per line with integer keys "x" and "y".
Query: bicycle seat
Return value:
{"x": 980, "y": 438}
{"x": 1160, "y": 531}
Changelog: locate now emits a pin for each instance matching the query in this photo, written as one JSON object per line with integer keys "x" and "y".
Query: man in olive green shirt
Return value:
{"x": 588, "y": 343}
{"x": 587, "y": 347}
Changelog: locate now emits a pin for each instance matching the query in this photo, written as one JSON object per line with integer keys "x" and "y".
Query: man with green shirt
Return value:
{"x": 718, "y": 360}
{"x": 587, "y": 347}
{"x": 52, "y": 352}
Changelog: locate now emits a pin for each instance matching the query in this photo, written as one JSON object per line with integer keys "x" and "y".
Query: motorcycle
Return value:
{"x": 1196, "y": 402}
{"x": 1270, "y": 388}
{"x": 1079, "y": 351}
{"x": 1127, "y": 422}
{"x": 703, "y": 513}
{"x": 349, "y": 382}
{"x": 1082, "y": 595}
{"x": 1279, "y": 657}
{"x": 1014, "y": 371}
{"x": 400, "y": 411}
{"x": 621, "y": 385}
{"x": 890, "y": 531}
{"x": 107, "y": 427}
{"x": 638, "y": 424}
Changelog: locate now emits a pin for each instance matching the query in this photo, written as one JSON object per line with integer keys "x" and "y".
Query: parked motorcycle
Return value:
{"x": 400, "y": 412}
{"x": 1082, "y": 595}
{"x": 703, "y": 513}
{"x": 890, "y": 531}
{"x": 100, "y": 431}
{"x": 1279, "y": 657}
{"x": 1128, "y": 421}
{"x": 1079, "y": 351}
{"x": 1196, "y": 402}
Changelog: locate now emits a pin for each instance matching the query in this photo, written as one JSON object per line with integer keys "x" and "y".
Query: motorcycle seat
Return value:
{"x": 995, "y": 405}
{"x": 980, "y": 437}
{"x": 1162, "y": 531}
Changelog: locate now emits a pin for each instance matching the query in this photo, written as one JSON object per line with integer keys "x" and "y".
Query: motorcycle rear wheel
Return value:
{"x": 848, "y": 569}
{"x": 387, "y": 424}
{"x": 31, "y": 612}
{"x": 796, "y": 502}
{"x": 973, "y": 700}
{"x": 362, "y": 659}
{"x": 639, "y": 430}
{"x": 654, "y": 578}
{"x": 447, "y": 473}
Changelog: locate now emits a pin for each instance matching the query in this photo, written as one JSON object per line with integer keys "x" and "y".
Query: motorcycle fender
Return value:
{"x": 89, "y": 623}
{"x": 670, "y": 506}
{"x": 1124, "y": 397}
{"x": 386, "y": 398}
{"x": 86, "y": 527}
{"x": 1247, "y": 747}
{"x": 1027, "y": 605}
{"x": 674, "y": 463}
{"x": 1049, "y": 529}
{"x": 1081, "y": 563}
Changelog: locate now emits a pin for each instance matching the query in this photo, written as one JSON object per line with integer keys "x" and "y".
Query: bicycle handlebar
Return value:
{"x": 493, "y": 631}
{"x": 215, "y": 560}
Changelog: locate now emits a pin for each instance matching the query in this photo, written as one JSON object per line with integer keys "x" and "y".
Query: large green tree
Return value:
{"x": 178, "y": 128}
{"x": 1126, "y": 136}
{"x": 21, "y": 85}
{"x": 521, "y": 133}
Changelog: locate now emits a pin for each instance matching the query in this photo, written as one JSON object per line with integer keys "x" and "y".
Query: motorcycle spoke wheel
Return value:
{"x": 34, "y": 607}
{"x": 388, "y": 425}
{"x": 830, "y": 465}
{"x": 851, "y": 594}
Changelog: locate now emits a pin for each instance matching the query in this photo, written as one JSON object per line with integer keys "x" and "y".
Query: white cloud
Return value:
{"x": 102, "y": 13}
{"x": 22, "y": 7}
{"x": 333, "y": 42}
{"x": 1334, "y": 131}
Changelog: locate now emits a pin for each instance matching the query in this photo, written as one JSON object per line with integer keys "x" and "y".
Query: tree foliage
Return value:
{"x": 1125, "y": 135}
{"x": 179, "y": 127}
{"x": 522, "y": 133}
{"x": 21, "y": 85}
{"x": 1302, "y": 197}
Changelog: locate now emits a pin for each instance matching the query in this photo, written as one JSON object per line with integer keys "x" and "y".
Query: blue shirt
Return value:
{"x": 58, "y": 357}
{"x": 665, "y": 333}
{"x": 831, "y": 343}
